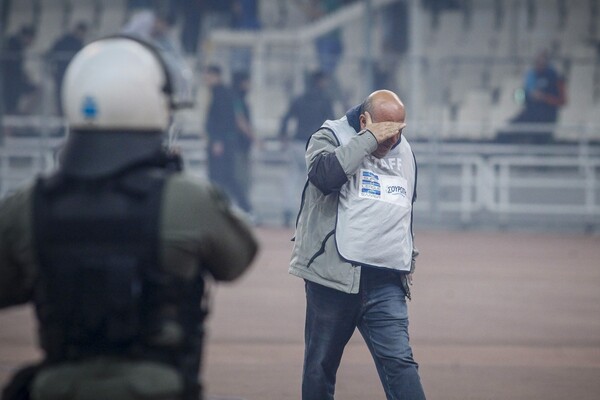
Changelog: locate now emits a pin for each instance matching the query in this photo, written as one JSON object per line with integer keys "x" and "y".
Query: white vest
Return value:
{"x": 374, "y": 219}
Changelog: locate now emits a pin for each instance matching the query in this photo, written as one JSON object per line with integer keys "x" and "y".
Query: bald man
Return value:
{"x": 354, "y": 246}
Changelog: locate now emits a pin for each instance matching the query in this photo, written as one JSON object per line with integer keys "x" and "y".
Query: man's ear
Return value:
{"x": 362, "y": 121}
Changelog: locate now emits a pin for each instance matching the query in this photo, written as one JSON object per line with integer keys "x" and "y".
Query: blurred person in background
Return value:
{"x": 161, "y": 33}
{"x": 545, "y": 93}
{"x": 61, "y": 53}
{"x": 354, "y": 246}
{"x": 155, "y": 27}
{"x": 115, "y": 249}
{"x": 20, "y": 93}
{"x": 140, "y": 24}
{"x": 308, "y": 111}
{"x": 222, "y": 131}
{"x": 245, "y": 139}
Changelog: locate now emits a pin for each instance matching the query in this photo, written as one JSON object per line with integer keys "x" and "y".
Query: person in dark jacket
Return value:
{"x": 545, "y": 94}
{"x": 245, "y": 139}
{"x": 15, "y": 80}
{"x": 221, "y": 130}
{"x": 308, "y": 110}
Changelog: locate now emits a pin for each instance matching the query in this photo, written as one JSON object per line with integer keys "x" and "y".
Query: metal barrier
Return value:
{"x": 464, "y": 174}
{"x": 503, "y": 186}
{"x": 573, "y": 182}
{"x": 469, "y": 184}
{"x": 22, "y": 159}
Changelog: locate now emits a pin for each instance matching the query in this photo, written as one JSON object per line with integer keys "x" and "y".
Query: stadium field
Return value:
{"x": 494, "y": 315}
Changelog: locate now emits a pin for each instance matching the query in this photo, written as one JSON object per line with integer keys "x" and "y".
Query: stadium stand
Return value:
{"x": 111, "y": 16}
{"x": 23, "y": 12}
{"x": 461, "y": 86}
{"x": 484, "y": 46}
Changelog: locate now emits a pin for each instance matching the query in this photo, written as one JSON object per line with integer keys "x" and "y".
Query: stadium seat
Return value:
{"x": 593, "y": 123}
{"x": 581, "y": 82}
{"x": 21, "y": 13}
{"x": 20, "y": 160}
{"x": 112, "y": 17}
{"x": 506, "y": 107}
{"x": 51, "y": 25}
{"x": 449, "y": 125}
{"x": 476, "y": 40}
{"x": 83, "y": 11}
{"x": 577, "y": 25}
{"x": 448, "y": 36}
{"x": 580, "y": 100}
{"x": 572, "y": 122}
{"x": 465, "y": 76}
{"x": 474, "y": 115}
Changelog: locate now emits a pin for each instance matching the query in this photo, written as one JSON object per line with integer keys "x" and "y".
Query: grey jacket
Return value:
{"x": 315, "y": 256}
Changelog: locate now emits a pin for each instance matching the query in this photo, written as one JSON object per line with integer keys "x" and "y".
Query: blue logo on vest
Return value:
{"x": 89, "y": 108}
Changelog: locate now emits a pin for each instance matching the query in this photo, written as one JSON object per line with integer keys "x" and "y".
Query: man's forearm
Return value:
{"x": 330, "y": 169}
{"x": 327, "y": 173}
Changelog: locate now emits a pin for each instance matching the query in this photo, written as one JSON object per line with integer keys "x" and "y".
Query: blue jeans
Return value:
{"x": 379, "y": 311}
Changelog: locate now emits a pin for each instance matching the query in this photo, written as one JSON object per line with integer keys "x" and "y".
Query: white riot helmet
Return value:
{"x": 123, "y": 84}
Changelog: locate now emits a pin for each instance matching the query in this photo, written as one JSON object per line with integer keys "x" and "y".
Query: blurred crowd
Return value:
{"x": 228, "y": 125}
{"x": 154, "y": 20}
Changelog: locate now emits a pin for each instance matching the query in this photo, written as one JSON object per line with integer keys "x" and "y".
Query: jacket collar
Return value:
{"x": 353, "y": 117}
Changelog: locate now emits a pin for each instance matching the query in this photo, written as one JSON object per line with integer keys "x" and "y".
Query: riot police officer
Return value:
{"x": 115, "y": 248}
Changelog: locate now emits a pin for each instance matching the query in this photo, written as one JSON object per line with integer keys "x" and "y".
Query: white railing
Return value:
{"x": 21, "y": 163}
{"x": 505, "y": 186}
{"x": 470, "y": 184}
{"x": 467, "y": 178}
{"x": 569, "y": 176}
